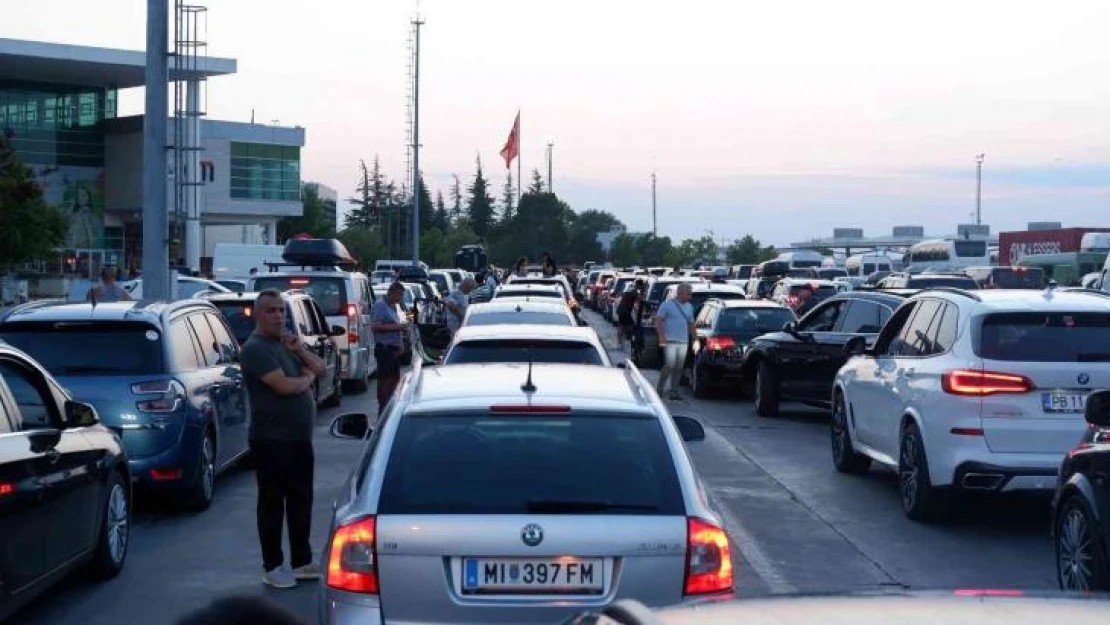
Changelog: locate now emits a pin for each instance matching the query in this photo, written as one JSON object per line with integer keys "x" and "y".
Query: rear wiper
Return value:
{"x": 1092, "y": 357}
{"x": 563, "y": 505}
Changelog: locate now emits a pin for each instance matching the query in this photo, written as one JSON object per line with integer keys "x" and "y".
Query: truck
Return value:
{"x": 1013, "y": 245}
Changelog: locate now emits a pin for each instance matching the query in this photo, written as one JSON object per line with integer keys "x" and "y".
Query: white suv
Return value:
{"x": 977, "y": 391}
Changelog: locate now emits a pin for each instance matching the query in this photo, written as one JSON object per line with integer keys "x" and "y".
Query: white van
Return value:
{"x": 234, "y": 261}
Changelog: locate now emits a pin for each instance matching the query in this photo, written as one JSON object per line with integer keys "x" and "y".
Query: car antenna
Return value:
{"x": 528, "y": 386}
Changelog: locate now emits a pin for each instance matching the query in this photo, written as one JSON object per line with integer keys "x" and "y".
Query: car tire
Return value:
{"x": 204, "y": 485}
{"x": 766, "y": 391}
{"x": 114, "y": 536}
{"x": 921, "y": 501}
{"x": 845, "y": 457}
{"x": 1081, "y": 564}
{"x": 700, "y": 383}
{"x": 336, "y": 396}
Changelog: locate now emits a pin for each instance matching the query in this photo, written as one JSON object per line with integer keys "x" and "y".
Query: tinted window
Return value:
{"x": 441, "y": 281}
{"x": 567, "y": 352}
{"x": 862, "y": 317}
{"x": 1046, "y": 337}
{"x": 555, "y": 464}
{"x": 752, "y": 321}
{"x": 953, "y": 281}
{"x": 238, "y": 316}
{"x": 970, "y": 248}
{"x": 527, "y": 317}
{"x": 944, "y": 333}
{"x": 209, "y": 348}
{"x": 824, "y": 318}
{"x": 229, "y": 349}
{"x": 527, "y": 293}
{"x": 829, "y": 274}
{"x": 329, "y": 293}
{"x": 698, "y": 299}
{"x": 1017, "y": 278}
{"x": 97, "y": 348}
{"x": 35, "y": 404}
{"x": 915, "y": 338}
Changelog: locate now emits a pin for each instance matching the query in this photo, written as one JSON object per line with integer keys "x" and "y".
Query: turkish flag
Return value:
{"x": 512, "y": 144}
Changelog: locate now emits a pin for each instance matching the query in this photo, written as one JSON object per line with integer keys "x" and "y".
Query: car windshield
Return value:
{"x": 536, "y": 464}
{"x": 954, "y": 281}
{"x": 525, "y": 350}
{"x": 530, "y": 317}
{"x": 1046, "y": 337}
{"x": 89, "y": 348}
{"x": 748, "y": 321}
{"x": 329, "y": 293}
{"x": 546, "y": 283}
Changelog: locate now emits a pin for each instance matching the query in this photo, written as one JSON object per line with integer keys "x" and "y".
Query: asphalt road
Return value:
{"x": 797, "y": 526}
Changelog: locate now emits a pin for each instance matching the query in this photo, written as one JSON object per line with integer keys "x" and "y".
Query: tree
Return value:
{"x": 30, "y": 229}
{"x": 623, "y": 251}
{"x": 747, "y": 251}
{"x": 582, "y": 245}
{"x": 456, "y": 200}
{"x": 537, "y": 186}
{"x": 361, "y": 214}
{"x": 427, "y": 210}
{"x": 508, "y": 193}
{"x": 654, "y": 251}
{"x": 365, "y": 245}
{"x": 442, "y": 220}
{"x": 480, "y": 209}
{"x": 314, "y": 219}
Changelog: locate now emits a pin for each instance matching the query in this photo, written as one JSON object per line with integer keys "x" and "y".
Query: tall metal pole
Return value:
{"x": 979, "y": 188}
{"x": 156, "y": 267}
{"x": 550, "y": 157}
{"x": 519, "y": 176}
{"x": 654, "y": 225}
{"x": 417, "y": 23}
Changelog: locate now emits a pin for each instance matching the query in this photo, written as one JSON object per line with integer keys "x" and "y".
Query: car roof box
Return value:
{"x": 411, "y": 274}
{"x": 317, "y": 252}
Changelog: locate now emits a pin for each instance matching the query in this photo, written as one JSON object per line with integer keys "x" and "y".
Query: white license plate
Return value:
{"x": 1064, "y": 402}
{"x": 533, "y": 576}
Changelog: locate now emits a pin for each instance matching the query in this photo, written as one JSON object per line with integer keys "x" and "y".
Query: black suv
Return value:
{"x": 65, "y": 487}
{"x": 800, "y": 362}
{"x": 302, "y": 316}
{"x": 724, "y": 327}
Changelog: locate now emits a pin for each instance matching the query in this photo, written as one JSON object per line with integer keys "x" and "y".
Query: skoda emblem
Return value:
{"x": 1084, "y": 379}
{"x": 532, "y": 534}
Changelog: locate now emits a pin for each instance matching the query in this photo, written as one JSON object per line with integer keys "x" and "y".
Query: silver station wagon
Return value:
{"x": 522, "y": 493}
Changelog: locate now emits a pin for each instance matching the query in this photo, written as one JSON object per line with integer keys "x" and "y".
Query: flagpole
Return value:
{"x": 519, "y": 179}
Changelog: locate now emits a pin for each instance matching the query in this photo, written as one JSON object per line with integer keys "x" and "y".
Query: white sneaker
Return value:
{"x": 281, "y": 577}
{"x": 308, "y": 572}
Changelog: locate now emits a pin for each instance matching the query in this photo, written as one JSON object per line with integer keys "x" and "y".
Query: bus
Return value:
{"x": 947, "y": 255}
{"x": 802, "y": 259}
{"x": 863, "y": 265}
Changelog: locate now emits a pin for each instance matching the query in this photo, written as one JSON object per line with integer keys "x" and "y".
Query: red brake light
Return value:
{"x": 298, "y": 281}
{"x": 708, "y": 559}
{"x": 980, "y": 383}
{"x": 7, "y": 489}
{"x": 352, "y": 311}
{"x": 528, "y": 409}
{"x": 720, "y": 343}
{"x": 353, "y": 558}
{"x": 161, "y": 475}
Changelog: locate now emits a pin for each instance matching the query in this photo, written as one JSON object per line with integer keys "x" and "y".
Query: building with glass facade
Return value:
{"x": 58, "y": 103}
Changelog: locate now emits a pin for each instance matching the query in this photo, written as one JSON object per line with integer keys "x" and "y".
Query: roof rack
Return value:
{"x": 954, "y": 291}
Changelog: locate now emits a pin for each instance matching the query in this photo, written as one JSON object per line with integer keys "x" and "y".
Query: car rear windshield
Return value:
{"x": 1046, "y": 337}
{"x": 698, "y": 299}
{"x": 753, "y": 320}
{"x": 659, "y": 288}
{"x": 955, "y": 282}
{"x": 89, "y": 348}
{"x": 819, "y": 293}
{"x": 528, "y": 293}
{"x": 524, "y": 350}
{"x": 1017, "y": 278}
{"x": 530, "y": 464}
{"x": 329, "y": 293}
{"x": 525, "y": 316}
{"x": 546, "y": 283}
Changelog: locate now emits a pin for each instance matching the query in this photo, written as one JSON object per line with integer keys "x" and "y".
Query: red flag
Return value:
{"x": 512, "y": 144}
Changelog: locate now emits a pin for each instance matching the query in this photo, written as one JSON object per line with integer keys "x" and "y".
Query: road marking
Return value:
{"x": 752, "y": 552}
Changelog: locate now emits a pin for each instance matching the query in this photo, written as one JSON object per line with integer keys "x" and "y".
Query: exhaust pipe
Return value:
{"x": 982, "y": 481}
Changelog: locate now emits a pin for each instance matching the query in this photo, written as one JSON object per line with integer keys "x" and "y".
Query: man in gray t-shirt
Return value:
{"x": 389, "y": 342}
{"x": 280, "y": 372}
{"x": 674, "y": 325}
{"x": 456, "y": 304}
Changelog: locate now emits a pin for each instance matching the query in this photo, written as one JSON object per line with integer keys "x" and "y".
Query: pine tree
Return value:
{"x": 361, "y": 214}
{"x": 456, "y": 200}
{"x": 480, "y": 209}
{"x": 537, "y": 186}
{"x": 427, "y": 210}
{"x": 508, "y": 195}
{"x": 441, "y": 219}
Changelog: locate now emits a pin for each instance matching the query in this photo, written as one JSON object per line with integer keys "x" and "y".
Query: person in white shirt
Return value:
{"x": 674, "y": 325}
{"x": 456, "y": 304}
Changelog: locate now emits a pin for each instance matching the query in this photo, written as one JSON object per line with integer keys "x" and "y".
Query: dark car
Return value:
{"x": 922, "y": 281}
{"x": 165, "y": 376}
{"x": 800, "y": 362}
{"x": 1080, "y": 527}
{"x": 65, "y": 487}
{"x": 724, "y": 327}
{"x": 302, "y": 317}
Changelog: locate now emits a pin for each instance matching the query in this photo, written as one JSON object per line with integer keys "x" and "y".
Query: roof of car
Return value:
{"x": 519, "y": 304}
{"x": 1022, "y": 300}
{"x": 145, "y": 310}
{"x": 711, "y": 286}
{"x": 527, "y": 331}
{"x": 481, "y": 385}
{"x": 817, "y": 282}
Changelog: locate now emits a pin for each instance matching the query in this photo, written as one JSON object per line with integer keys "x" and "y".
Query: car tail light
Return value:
{"x": 299, "y": 281}
{"x": 980, "y": 383}
{"x": 720, "y": 343}
{"x": 792, "y": 301}
{"x": 708, "y": 559}
{"x": 529, "y": 409}
{"x": 171, "y": 391}
{"x": 353, "y": 558}
{"x": 162, "y": 475}
{"x": 352, "y": 324}
{"x": 6, "y": 488}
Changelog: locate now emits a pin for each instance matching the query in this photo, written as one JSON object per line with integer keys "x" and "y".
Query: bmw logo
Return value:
{"x": 532, "y": 534}
{"x": 1084, "y": 379}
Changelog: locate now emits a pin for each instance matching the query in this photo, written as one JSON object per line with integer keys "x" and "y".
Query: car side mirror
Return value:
{"x": 1097, "y": 410}
{"x": 337, "y": 331}
{"x": 80, "y": 415}
{"x": 790, "y": 327}
{"x": 856, "y": 346}
{"x": 689, "y": 427}
{"x": 353, "y": 425}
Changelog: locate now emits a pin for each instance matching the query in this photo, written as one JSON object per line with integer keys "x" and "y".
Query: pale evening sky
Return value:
{"x": 782, "y": 119}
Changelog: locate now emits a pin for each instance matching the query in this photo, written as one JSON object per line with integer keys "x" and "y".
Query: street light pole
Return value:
{"x": 979, "y": 188}
{"x": 550, "y": 158}
{"x": 654, "y": 224}
{"x": 156, "y": 265}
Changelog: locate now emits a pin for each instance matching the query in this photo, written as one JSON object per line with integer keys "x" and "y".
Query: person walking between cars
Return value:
{"x": 625, "y": 322}
{"x": 674, "y": 325}
{"x": 456, "y": 304}
{"x": 280, "y": 373}
{"x": 389, "y": 342}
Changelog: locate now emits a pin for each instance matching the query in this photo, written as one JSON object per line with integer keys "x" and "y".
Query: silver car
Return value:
{"x": 517, "y": 493}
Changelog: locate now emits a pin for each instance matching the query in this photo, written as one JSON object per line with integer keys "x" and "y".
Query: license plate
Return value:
{"x": 1064, "y": 402}
{"x": 584, "y": 576}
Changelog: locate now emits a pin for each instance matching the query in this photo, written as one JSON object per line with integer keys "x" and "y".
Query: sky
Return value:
{"x": 779, "y": 119}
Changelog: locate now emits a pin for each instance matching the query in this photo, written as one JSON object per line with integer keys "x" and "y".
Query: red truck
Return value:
{"x": 1013, "y": 245}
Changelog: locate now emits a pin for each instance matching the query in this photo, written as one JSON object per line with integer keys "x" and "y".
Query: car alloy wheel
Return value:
{"x": 908, "y": 476}
{"x": 117, "y": 522}
{"x": 1080, "y": 565}
{"x": 207, "y": 469}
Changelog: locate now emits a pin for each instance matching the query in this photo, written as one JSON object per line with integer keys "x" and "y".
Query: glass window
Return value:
{"x": 944, "y": 332}
{"x": 330, "y": 293}
{"x": 530, "y": 317}
{"x": 209, "y": 348}
{"x": 970, "y": 249}
{"x": 752, "y": 321}
{"x": 93, "y": 348}
{"x": 33, "y": 399}
{"x": 823, "y": 319}
{"x": 914, "y": 339}
{"x": 524, "y": 350}
{"x": 238, "y": 316}
{"x": 1046, "y": 337}
{"x": 483, "y": 464}
{"x": 183, "y": 351}
{"x": 862, "y": 317}
{"x": 265, "y": 172}
{"x": 229, "y": 349}
{"x": 959, "y": 282}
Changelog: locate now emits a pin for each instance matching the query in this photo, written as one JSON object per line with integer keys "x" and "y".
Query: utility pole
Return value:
{"x": 979, "y": 188}
{"x": 417, "y": 22}
{"x": 550, "y": 158}
{"x": 654, "y": 225}
{"x": 156, "y": 266}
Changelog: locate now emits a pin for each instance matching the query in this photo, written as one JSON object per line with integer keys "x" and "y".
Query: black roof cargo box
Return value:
{"x": 317, "y": 252}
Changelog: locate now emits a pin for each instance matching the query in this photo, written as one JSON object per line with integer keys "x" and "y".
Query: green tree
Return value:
{"x": 537, "y": 185}
{"x": 365, "y": 245}
{"x": 703, "y": 250}
{"x": 480, "y": 209}
{"x": 427, "y": 209}
{"x": 584, "y": 228}
{"x": 624, "y": 251}
{"x": 654, "y": 251}
{"x": 748, "y": 251}
{"x": 456, "y": 200}
{"x": 30, "y": 229}
{"x": 442, "y": 220}
{"x": 314, "y": 219}
{"x": 508, "y": 195}
{"x": 361, "y": 214}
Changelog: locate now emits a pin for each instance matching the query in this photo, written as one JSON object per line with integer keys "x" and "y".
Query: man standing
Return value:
{"x": 389, "y": 342}
{"x": 109, "y": 290}
{"x": 280, "y": 372}
{"x": 456, "y": 304}
{"x": 674, "y": 325}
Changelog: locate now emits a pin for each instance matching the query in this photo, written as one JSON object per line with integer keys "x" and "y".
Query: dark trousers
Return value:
{"x": 284, "y": 471}
{"x": 389, "y": 372}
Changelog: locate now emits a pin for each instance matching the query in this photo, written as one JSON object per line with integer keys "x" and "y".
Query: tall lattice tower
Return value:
{"x": 188, "y": 59}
